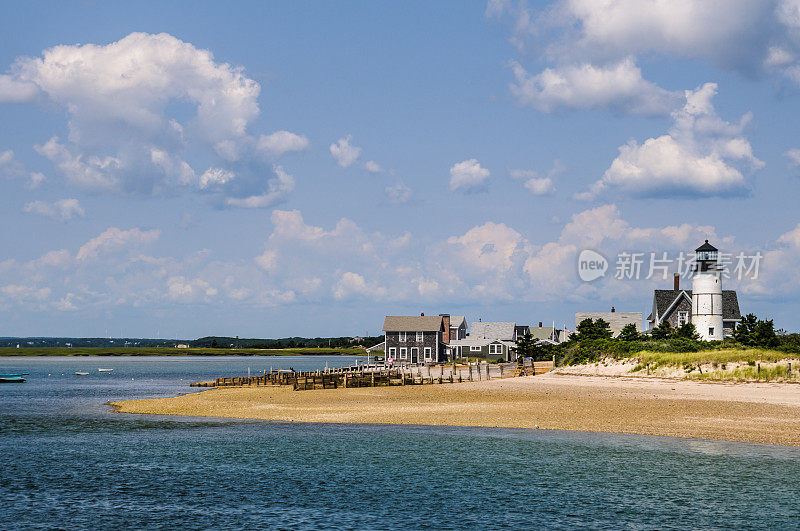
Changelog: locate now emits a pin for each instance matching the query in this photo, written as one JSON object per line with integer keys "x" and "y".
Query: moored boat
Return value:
{"x": 13, "y": 378}
{"x": 104, "y": 370}
{"x": 82, "y": 373}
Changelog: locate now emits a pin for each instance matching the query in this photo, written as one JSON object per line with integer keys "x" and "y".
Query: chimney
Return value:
{"x": 540, "y": 324}
{"x": 676, "y": 282}
{"x": 446, "y": 321}
{"x": 613, "y": 309}
{"x": 422, "y": 314}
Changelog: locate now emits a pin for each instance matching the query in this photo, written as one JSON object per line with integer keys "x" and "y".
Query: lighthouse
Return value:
{"x": 707, "y": 294}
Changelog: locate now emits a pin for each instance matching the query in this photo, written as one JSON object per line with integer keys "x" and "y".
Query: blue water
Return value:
{"x": 67, "y": 461}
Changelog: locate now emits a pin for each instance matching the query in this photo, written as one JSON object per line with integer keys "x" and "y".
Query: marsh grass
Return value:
{"x": 151, "y": 351}
{"x": 720, "y": 357}
{"x": 723, "y": 365}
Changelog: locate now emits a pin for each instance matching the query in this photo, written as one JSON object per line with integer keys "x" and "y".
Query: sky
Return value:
{"x": 271, "y": 169}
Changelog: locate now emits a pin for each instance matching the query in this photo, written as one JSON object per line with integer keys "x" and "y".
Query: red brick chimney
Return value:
{"x": 540, "y": 324}
{"x": 446, "y": 322}
{"x": 676, "y": 282}
{"x": 613, "y": 309}
{"x": 422, "y": 314}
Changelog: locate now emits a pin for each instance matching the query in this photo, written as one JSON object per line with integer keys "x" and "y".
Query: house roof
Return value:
{"x": 480, "y": 342}
{"x": 380, "y": 346}
{"x": 502, "y": 330}
{"x": 412, "y": 323}
{"x": 663, "y": 299}
{"x": 542, "y": 332}
{"x": 457, "y": 320}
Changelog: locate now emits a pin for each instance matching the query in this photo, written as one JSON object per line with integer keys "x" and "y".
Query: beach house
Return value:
{"x": 487, "y": 340}
{"x": 415, "y": 338}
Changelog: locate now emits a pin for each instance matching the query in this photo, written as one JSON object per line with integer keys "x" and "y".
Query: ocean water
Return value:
{"x": 68, "y": 461}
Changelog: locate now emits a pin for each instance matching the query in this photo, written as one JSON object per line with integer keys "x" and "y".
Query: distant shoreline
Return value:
{"x": 33, "y": 352}
{"x": 767, "y": 413}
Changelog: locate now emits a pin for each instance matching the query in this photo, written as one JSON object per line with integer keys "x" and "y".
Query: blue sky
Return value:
{"x": 273, "y": 169}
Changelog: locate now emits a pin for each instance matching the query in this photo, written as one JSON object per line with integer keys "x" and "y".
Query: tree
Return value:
{"x": 686, "y": 331}
{"x": 628, "y": 333}
{"x": 214, "y": 343}
{"x": 525, "y": 346}
{"x": 662, "y": 331}
{"x": 590, "y": 329}
{"x": 756, "y": 332}
{"x": 743, "y": 332}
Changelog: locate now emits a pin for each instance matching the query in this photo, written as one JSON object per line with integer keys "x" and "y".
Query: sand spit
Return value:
{"x": 763, "y": 413}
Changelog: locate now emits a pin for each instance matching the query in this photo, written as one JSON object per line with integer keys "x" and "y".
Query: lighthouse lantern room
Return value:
{"x": 707, "y": 294}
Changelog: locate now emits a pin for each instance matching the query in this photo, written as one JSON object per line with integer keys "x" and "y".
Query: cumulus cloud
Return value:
{"x": 534, "y": 183}
{"x": 617, "y": 87}
{"x": 344, "y": 152}
{"x": 278, "y": 188}
{"x": 592, "y": 47}
{"x": 373, "y": 167}
{"x": 399, "y": 193}
{"x": 126, "y": 133}
{"x": 794, "y": 157}
{"x": 62, "y": 210}
{"x": 280, "y": 142}
{"x": 11, "y": 168}
{"x": 468, "y": 175}
{"x": 114, "y": 239}
{"x": 701, "y": 155}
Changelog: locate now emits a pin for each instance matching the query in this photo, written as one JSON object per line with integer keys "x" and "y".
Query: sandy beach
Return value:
{"x": 752, "y": 412}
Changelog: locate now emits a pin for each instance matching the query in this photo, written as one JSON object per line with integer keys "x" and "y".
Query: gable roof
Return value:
{"x": 501, "y": 330}
{"x": 457, "y": 320}
{"x": 663, "y": 299}
{"x": 412, "y": 323}
{"x": 542, "y": 332}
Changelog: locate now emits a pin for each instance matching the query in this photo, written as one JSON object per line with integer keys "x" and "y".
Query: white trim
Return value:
{"x": 392, "y": 352}
{"x": 420, "y": 336}
{"x": 474, "y": 348}
{"x": 412, "y": 353}
{"x": 428, "y": 353}
{"x": 403, "y": 353}
{"x": 402, "y": 336}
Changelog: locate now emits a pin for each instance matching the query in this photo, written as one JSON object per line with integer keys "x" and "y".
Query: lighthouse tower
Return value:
{"x": 707, "y": 294}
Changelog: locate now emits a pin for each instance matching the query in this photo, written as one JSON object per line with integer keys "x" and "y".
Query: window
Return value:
{"x": 711, "y": 331}
{"x": 495, "y": 349}
{"x": 392, "y": 352}
{"x": 683, "y": 318}
{"x": 420, "y": 336}
{"x": 428, "y": 354}
{"x": 402, "y": 336}
{"x": 403, "y": 353}
{"x": 474, "y": 348}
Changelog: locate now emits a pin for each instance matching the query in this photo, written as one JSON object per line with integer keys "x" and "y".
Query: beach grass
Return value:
{"x": 166, "y": 351}
{"x": 660, "y": 359}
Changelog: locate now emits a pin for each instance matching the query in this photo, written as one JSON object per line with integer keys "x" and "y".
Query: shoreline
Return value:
{"x": 767, "y": 413}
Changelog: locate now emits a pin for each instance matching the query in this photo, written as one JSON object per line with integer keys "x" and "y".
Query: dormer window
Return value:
{"x": 420, "y": 336}
{"x": 402, "y": 336}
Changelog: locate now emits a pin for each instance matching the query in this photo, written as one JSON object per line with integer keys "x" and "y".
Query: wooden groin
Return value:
{"x": 374, "y": 376}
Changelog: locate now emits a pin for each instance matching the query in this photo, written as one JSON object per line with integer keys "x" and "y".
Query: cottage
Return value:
{"x": 415, "y": 339}
{"x": 487, "y": 340}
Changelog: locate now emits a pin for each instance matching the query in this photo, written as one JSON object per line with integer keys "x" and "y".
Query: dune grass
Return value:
{"x": 660, "y": 359}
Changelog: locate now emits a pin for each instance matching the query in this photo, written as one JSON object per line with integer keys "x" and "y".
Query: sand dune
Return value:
{"x": 763, "y": 413}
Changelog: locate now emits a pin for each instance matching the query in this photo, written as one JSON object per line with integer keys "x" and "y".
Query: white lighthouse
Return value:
{"x": 707, "y": 294}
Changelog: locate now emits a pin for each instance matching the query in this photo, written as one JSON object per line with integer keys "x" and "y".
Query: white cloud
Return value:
{"x": 794, "y": 157}
{"x": 617, "y": 87}
{"x": 267, "y": 260}
{"x": 145, "y": 109}
{"x": 702, "y": 155}
{"x": 14, "y": 91}
{"x": 281, "y": 142}
{"x": 344, "y": 152}
{"x": 278, "y": 188}
{"x": 540, "y": 186}
{"x": 399, "y": 193}
{"x": 491, "y": 246}
{"x": 113, "y": 239}
{"x": 62, "y": 210}
{"x": 350, "y": 284}
{"x": 373, "y": 167}
{"x": 182, "y": 289}
{"x": 214, "y": 177}
{"x": 468, "y": 175}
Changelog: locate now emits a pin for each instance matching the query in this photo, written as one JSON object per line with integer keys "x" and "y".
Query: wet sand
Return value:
{"x": 751, "y": 412}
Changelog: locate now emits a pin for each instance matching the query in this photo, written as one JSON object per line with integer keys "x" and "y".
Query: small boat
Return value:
{"x": 11, "y": 378}
{"x": 82, "y": 373}
{"x": 104, "y": 370}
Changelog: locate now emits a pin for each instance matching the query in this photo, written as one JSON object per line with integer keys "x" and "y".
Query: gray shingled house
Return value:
{"x": 415, "y": 338}
{"x": 487, "y": 340}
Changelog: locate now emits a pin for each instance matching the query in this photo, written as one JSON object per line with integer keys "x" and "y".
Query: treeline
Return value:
{"x": 593, "y": 340}
{"x": 286, "y": 342}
